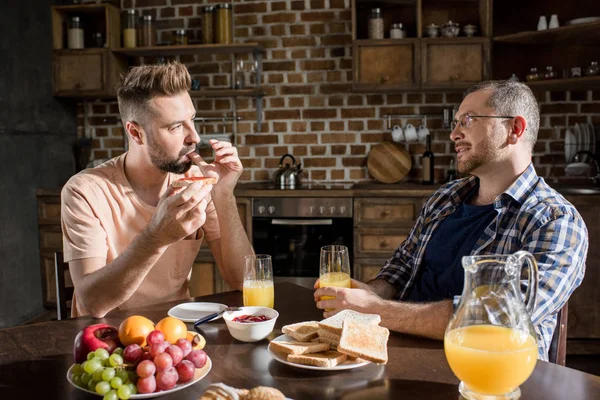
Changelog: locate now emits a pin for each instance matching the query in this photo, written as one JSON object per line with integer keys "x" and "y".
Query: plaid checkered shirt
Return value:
{"x": 531, "y": 216}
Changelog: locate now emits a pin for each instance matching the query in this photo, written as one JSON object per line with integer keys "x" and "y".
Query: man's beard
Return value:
{"x": 163, "y": 162}
{"x": 486, "y": 152}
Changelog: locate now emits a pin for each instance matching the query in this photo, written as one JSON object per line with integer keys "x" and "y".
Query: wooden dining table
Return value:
{"x": 34, "y": 360}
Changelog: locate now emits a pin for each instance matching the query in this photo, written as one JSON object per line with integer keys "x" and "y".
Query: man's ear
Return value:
{"x": 518, "y": 127}
{"x": 136, "y": 132}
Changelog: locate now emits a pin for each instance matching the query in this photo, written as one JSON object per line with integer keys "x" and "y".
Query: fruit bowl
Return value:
{"x": 199, "y": 374}
{"x": 251, "y": 331}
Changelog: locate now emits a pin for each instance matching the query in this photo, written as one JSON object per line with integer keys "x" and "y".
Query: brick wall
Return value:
{"x": 309, "y": 109}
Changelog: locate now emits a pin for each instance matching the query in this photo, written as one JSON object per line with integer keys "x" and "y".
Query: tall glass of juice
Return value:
{"x": 258, "y": 281}
{"x": 335, "y": 268}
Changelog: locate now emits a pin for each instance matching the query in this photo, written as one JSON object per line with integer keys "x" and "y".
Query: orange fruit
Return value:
{"x": 172, "y": 328}
{"x": 135, "y": 329}
{"x": 200, "y": 343}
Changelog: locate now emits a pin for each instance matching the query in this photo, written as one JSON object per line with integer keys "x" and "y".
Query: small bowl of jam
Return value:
{"x": 251, "y": 324}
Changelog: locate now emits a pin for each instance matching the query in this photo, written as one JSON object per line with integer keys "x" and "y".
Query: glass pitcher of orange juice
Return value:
{"x": 490, "y": 342}
{"x": 335, "y": 268}
{"x": 258, "y": 281}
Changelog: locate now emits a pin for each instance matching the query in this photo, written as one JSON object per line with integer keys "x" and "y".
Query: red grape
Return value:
{"x": 175, "y": 353}
{"x": 157, "y": 348}
{"x": 186, "y": 371}
{"x": 155, "y": 336}
{"x": 146, "y": 356}
{"x": 167, "y": 379}
{"x": 163, "y": 361}
{"x": 197, "y": 357}
{"x": 132, "y": 353}
{"x": 145, "y": 369}
{"x": 146, "y": 385}
{"x": 184, "y": 345}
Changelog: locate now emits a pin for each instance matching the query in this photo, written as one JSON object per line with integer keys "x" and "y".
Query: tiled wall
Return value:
{"x": 309, "y": 109}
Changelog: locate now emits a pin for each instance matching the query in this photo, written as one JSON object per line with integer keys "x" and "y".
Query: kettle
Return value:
{"x": 288, "y": 177}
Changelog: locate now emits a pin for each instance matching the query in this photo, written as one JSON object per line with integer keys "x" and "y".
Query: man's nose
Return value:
{"x": 456, "y": 134}
{"x": 192, "y": 137}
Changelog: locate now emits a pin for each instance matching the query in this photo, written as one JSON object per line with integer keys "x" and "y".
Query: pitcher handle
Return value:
{"x": 532, "y": 279}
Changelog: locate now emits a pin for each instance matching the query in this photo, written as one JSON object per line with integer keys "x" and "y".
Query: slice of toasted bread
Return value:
{"x": 264, "y": 393}
{"x": 326, "y": 359}
{"x": 332, "y": 343}
{"x": 302, "y": 331}
{"x": 299, "y": 347}
{"x": 334, "y": 324}
{"x": 220, "y": 391}
{"x": 368, "y": 342}
{"x": 191, "y": 179}
{"x": 324, "y": 333}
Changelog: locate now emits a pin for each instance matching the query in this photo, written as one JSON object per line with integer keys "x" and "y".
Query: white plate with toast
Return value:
{"x": 282, "y": 358}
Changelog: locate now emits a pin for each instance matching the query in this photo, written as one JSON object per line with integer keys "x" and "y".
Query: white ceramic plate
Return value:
{"x": 192, "y": 312}
{"x": 593, "y": 138}
{"x": 583, "y": 20}
{"x": 200, "y": 373}
{"x": 282, "y": 358}
{"x": 570, "y": 144}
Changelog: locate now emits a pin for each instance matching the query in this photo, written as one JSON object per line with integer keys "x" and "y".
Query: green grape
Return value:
{"x": 116, "y": 360}
{"x": 92, "y": 366}
{"x": 112, "y": 395}
{"x": 77, "y": 380}
{"x": 133, "y": 388}
{"x": 118, "y": 350}
{"x": 124, "y": 392}
{"x": 123, "y": 375}
{"x": 85, "y": 378}
{"x": 108, "y": 374}
{"x": 132, "y": 377}
{"x": 97, "y": 375}
{"x": 116, "y": 382}
{"x": 102, "y": 388}
{"x": 76, "y": 370}
{"x": 92, "y": 384}
{"x": 106, "y": 363}
{"x": 102, "y": 354}
{"x": 91, "y": 355}
{"x": 83, "y": 364}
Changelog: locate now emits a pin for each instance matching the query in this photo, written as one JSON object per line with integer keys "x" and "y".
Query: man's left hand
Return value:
{"x": 226, "y": 167}
{"x": 359, "y": 298}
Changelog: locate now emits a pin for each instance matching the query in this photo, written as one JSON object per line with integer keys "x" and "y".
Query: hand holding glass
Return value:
{"x": 258, "y": 281}
{"x": 335, "y": 268}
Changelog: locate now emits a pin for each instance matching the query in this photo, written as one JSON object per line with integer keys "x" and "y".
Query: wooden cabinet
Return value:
{"x": 386, "y": 62}
{"x": 380, "y": 225}
{"x": 454, "y": 63}
{"x": 206, "y": 278}
{"x": 420, "y": 62}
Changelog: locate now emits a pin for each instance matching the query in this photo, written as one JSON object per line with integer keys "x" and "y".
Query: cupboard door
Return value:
{"x": 454, "y": 63}
{"x": 79, "y": 72}
{"x": 386, "y": 64}
{"x": 367, "y": 269}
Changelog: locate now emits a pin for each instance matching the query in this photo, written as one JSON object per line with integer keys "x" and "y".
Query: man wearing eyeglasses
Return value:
{"x": 501, "y": 207}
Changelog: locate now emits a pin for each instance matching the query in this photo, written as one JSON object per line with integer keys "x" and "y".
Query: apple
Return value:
{"x": 97, "y": 336}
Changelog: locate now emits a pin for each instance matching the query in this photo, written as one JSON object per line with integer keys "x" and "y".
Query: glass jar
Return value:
{"x": 148, "y": 31}
{"x": 550, "y": 74}
{"x": 180, "y": 37}
{"x": 396, "y": 31}
{"x": 224, "y": 28}
{"x": 129, "y": 28}
{"x": 98, "y": 39}
{"x": 533, "y": 75}
{"x": 376, "y": 24}
{"x": 75, "y": 34}
{"x": 208, "y": 25}
{"x": 592, "y": 69}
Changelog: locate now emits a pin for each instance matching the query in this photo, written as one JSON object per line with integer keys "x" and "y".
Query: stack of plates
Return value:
{"x": 585, "y": 20}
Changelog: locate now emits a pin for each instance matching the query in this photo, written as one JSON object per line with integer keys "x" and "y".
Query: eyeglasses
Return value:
{"x": 466, "y": 119}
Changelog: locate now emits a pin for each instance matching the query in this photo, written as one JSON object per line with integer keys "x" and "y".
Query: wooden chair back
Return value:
{"x": 558, "y": 346}
{"x": 64, "y": 294}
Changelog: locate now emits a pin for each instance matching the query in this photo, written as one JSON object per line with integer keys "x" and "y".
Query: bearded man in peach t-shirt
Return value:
{"x": 130, "y": 237}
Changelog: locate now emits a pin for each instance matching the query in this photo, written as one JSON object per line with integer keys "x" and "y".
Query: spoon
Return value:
{"x": 213, "y": 315}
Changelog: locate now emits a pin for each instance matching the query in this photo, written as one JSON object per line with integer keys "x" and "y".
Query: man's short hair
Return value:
{"x": 513, "y": 98}
{"x": 140, "y": 84}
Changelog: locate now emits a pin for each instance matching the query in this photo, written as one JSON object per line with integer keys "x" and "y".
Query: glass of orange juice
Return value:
{"x": 258, "y": 281}
{"x": 335, "y": 268}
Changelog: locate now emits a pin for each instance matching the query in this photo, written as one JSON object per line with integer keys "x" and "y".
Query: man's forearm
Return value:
{"x": 383, "y": 288}
{"x": 110, "y": 286}
{"x": 420, "y": 319}
{"x": 234, "y": 240}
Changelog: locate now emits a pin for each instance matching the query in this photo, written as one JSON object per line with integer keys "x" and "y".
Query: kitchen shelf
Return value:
{"x": 157, "y": 51}
{"x": 253, "y": 92}
{"x": 585, "y": 82}
{"x": 581, "y": 33}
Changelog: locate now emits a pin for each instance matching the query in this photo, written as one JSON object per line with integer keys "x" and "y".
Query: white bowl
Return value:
{"x": 251, "y": 331}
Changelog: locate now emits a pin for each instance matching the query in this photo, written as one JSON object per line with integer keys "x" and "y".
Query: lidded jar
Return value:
{"x": 376, "y": 24}
{"x": 397, "y": 32}
{"x": 129, "y": 28}
{"x": 75, "y": 34}
{"x": 533, "y": 75}
{"x": 148, "y": 31}
{"x": 592, "y": 69}
{"x": 224, "y": 24}
{"x": 208, "y": 24}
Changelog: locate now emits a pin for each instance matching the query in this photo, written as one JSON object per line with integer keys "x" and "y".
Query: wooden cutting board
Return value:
{"x": 389, "y": 162}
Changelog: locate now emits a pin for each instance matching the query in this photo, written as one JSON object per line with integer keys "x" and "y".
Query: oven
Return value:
{"x": 293, "y": 230}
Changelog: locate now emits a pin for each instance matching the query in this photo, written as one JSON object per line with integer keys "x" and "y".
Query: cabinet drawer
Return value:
{"x": 51, "y": 238}
{"x": 367, "y": 269}
{"x": 386, "y": 212}
{"x": 79, "y": 71}
{"x": 49, "y": 210}
{"x": 382, "y": 244}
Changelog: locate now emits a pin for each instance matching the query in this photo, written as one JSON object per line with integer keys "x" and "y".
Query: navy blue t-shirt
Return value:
{"x": 442, "y": 274}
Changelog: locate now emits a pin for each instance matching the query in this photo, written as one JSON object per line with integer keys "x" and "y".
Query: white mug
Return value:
{"x": 422, "y": 133}
{"x": 542, "y": 23}
{"x": 410, "y": 133}
{"x": 397, "y": 135}
{"x": 553, "y": 22}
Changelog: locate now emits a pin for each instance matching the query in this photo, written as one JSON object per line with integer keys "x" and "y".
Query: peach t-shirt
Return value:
{"x": 101, "y": 215}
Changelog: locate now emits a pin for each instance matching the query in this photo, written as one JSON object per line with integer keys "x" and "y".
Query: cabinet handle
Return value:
{"x": 384, "y": 79}
{"x": 453, "y": 78}
{"x": 384, "y": 243}
{"x": 386, "y": 213}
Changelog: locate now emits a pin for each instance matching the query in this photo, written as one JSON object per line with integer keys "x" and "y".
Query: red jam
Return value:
{"x": 251, "y": 318}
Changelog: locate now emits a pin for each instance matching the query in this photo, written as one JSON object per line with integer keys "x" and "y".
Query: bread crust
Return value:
{"x": 183, "y": 182}
{"x": 299, "y": 347}
{"x": 326, "y": 359}
{"x": 302, "y": 331}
